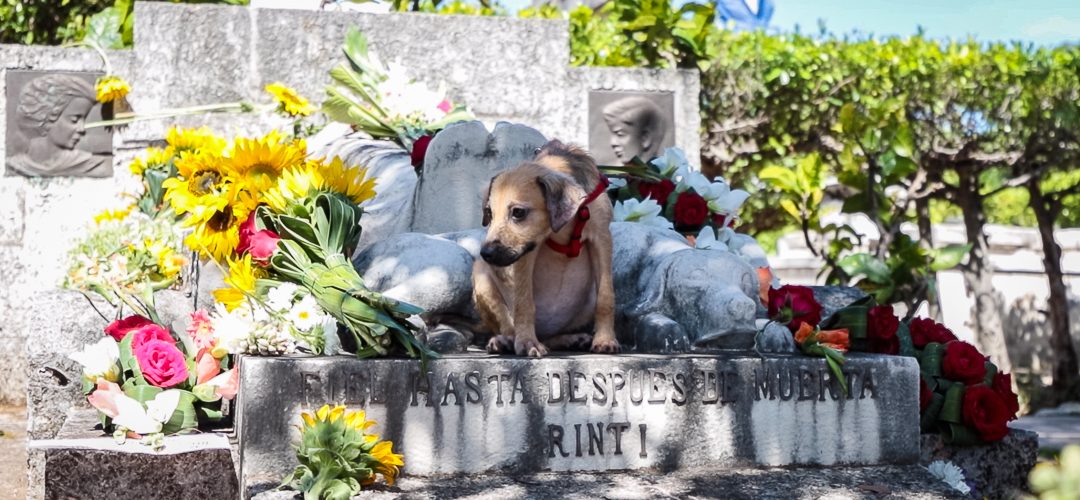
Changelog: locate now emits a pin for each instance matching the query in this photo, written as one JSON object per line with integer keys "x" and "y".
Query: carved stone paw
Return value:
{"x": 501, "y": 344}
{"x": 529, "y": 347}
{"x": 776, "y": 339}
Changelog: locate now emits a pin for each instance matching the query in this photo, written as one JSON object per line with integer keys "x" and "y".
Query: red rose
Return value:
{"x": 881, "y": 325}
{"x": 794, "y": 304}
{"x": 162, "y": 364}
{"x": 263, "y": 245}
{"x": 148, "y": 333}
{"x": 120, "y": 328}
{"x": 419, "y": 150}
{"x": 986, "y": 413}
{"x": 659, "y": 191}
{"x": 718, "y": 220}
{"x": 924, "y": 331}
{"x": 963, "y": 362}
{"x": 247, "y": 228}
{"x": 690, "y": 209}
{"x": 1003, "y": 387}
{"x": 925, "y": 395}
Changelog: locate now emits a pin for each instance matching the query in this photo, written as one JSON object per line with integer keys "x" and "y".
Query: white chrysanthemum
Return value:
{"x": 950, "y": 474}
{"x": 306, "y": 314}
{"x": 280, "y": 298}
{"x": 643, "y": 212}
{"x": 99, "y": 360}
{"x": 233, "y": 329}
{"x": 670, "y": 161}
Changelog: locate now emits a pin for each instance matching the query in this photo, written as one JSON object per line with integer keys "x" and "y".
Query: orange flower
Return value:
{"x": 805, "y": 331}
{"x": 834, "y": 339}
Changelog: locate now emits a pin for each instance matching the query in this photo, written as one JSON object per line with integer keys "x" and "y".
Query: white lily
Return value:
{"x": 724, "y": 200}
{"x": 132, "y": 416}
{"x": 615, "y": 183}
{"x": 690, "y": 179}
{"x": 99, "y": 360}
{"x": 670, "y": 161}
{"x": 643, "y": 212}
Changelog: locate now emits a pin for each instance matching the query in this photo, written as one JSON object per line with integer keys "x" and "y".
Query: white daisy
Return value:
{"x": 306, "y": 314}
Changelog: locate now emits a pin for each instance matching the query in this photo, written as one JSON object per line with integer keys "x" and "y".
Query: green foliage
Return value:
{"x": 1059, "y": 479}
{"x": 52, "y": 22}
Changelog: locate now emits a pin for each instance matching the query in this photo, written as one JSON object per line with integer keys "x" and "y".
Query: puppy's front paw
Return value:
{"x": 605, "y": 346}
{"x": 530, "y": 347}
{"x": 500, "y": 344}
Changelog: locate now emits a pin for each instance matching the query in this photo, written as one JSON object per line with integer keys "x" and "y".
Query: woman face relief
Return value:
{"x": 626, "y": 139}
{"x": 68, "y": 129}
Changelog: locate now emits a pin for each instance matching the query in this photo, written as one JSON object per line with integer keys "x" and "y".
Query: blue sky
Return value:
{"x": 1045, "y": 22}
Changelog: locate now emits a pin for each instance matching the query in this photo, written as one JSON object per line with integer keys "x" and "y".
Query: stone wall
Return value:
{"x": 503, "y": 68}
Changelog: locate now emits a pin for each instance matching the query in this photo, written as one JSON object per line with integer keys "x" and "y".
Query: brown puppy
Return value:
{"x": 535, "y": 295}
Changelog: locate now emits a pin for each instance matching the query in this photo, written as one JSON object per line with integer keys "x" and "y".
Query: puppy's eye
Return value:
{"x": 518, "y": 213}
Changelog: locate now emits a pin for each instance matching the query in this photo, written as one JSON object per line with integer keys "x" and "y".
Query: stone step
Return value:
{"x": 473, "y": 413}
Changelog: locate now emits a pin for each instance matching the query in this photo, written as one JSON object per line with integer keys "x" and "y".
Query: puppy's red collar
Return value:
{"x": 573, "y": 247}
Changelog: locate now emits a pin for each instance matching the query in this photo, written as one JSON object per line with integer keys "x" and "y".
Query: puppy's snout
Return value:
{"x": 498, "y": 254}
{"x": 489, "y": 251}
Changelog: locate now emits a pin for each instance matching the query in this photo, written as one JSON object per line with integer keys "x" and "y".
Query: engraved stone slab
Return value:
{"x": 472, "y": 413}
{"x": 458, "y": 166}
{"x": 46, "y": 135}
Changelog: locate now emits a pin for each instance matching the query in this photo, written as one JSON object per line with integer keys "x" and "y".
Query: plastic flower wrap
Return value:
{"x": 338, "y": 457}
{"x": 687, "y": 199}
{"x": 383, "y": 101}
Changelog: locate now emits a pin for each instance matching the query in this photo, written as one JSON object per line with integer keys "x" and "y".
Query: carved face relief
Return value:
{"x": 68, "y": 130}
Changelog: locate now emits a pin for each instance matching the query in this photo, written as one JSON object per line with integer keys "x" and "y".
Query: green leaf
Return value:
{"x": 949, "y": 256}
{"x": 930, "y": 359}
{"x": 141, "y": 393}
{"x": 847, "y": 116}
{"x": 864, "y": 264}
{"x": 184, "y": 418}
{"x": 953, "y": 409}
{"x": 103, "y": 29}
{"x": 780, "y": 177}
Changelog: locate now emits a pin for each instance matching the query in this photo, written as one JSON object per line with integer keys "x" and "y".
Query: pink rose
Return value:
{"x": 120, "y": 328}
{"x": 263, "y": 245}
{"x": 147, "y": 333}
{"x": 104, "y": 397}
{"x": 162, "y": 364}
{"x": 247, "y": 228}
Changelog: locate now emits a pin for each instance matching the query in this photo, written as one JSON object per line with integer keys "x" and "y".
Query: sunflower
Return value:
{"x": 389, "y": 462}
{"x": 111, "y": 88}
{"x": 184, "y": 140}
{"x": 202, "y": 188}
{"x": 259, "y": 162}
{"x": 241, "y": 280}
{"x": 217, "y": 237}
{"x": 319, "y": 176}
{"x": 152, "y": 158}
{"x": 290, "y": 102}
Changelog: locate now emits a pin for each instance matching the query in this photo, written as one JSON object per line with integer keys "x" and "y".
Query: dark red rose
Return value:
{"x": 147, "y": 333}
{"x": 925, "y": 330}
{"x": 881, "y": 325}
{"x": 1003, "y": 387}
{"x": 659, "y": 191}
{"x": 120, "y": 328}
{"x": 419, "y": 149}
{"x": 986, "y": 413}
{"x": 925, "y": 395}
{"x": 794, "y": 304}
{"x": 890, "y": 345}
{"x": 963, "y": 362}
{"x": 247, "y": 228}
{"x": 690, "y": 209}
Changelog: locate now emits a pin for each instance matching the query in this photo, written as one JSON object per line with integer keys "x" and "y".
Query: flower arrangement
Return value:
{"x": 338, "y": 457}
{"x": 962, "y": 394}
{"x": 384, "y": 102}
{"x": 666, "y": 192}
{"x": 146, "y": 383}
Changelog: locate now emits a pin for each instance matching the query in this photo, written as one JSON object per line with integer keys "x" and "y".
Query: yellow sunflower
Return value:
{"x": 291, "y": 102}
{"x": 150, "y": 159}
{"x": 111, "y": 88}
{"x": 217, "y": 237}
{"x": 320, "y": 176}
{"x": 259, "y": 161}
{"x": 182, "y": 140}
{"x": 202, "y": 188}
{"x": 389, "y": 462}
{"x": 241, "y": 280}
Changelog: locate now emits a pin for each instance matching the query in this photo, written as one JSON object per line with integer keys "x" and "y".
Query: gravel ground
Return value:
{"x": 13, "y": 453}
{"x": 889, "y": 482}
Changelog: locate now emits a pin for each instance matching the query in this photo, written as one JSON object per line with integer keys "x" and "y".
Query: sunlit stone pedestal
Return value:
{"x": 473, "y": 413}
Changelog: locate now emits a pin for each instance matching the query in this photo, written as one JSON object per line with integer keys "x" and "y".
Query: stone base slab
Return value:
{"x": 473, "y": 413}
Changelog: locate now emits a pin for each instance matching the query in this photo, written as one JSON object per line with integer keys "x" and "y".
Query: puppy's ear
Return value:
{"x": 562, "y": 196}
{"x": 486, "y": 209}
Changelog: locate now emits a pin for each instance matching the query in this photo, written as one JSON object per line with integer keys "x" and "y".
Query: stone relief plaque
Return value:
{"x": 627, "y": 124}
{"x": 46, "y": 116}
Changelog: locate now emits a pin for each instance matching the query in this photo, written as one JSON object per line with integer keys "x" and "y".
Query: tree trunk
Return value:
{"x": 1066, "y": 369}
{"x": 926, "y": 236}
{"x": 986, "y": 320}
